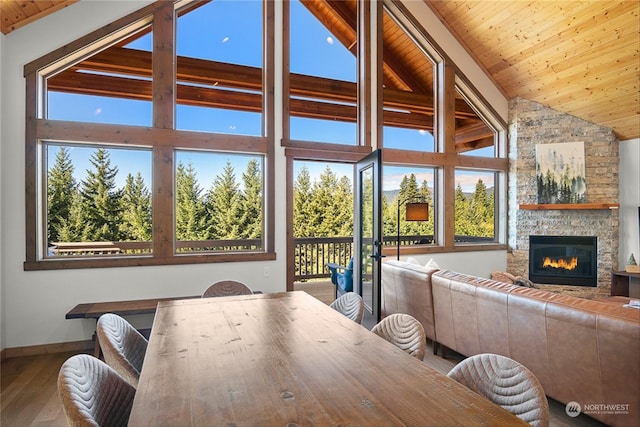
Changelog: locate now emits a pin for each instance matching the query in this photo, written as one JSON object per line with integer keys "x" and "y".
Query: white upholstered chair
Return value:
{"x": 227, "y": 288}
{"x": 506, "y": 383}
{"x": 351, "y": 305}
{"x": 93, "y": 394}
{"x": 405, "y": 332}
{"x": 122, "y": 345}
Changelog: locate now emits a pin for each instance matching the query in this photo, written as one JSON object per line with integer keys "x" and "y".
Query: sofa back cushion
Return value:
{"x": 406, "y": 288}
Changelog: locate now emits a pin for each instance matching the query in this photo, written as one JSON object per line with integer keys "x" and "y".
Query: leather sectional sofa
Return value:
{"x": 581, "y": 351}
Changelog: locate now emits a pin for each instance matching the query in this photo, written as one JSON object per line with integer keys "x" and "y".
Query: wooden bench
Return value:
{"x": 94, "y": 310}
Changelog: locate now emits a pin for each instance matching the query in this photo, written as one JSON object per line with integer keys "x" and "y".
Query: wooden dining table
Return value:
{"x": 287, "y": 359}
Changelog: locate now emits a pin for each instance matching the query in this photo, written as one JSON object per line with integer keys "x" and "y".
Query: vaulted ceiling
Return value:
{"x": 577, "y": 57}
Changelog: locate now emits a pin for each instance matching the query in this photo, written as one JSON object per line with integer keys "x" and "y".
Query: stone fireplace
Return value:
{"x": 530, "y": 124}
{"x": 563, "y": 260}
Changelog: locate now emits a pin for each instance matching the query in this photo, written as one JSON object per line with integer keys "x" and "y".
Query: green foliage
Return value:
{"x": 474, "y": 216}
{"x": 98, "y": 211}
{"x": 223, "y": 205}
{"x": 191, "y": 219}
{"x": 409, "y": 192}
{"x": 301, "y": 204}
{"x": 101, "y": 198}
{"x": 61, "y": 188}
{"x": 136, "y": 210}
{"x": 329, "y": 210}
{"x": 250, "y": 221}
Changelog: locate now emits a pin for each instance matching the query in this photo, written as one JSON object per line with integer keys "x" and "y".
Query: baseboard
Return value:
{"x": 35, "y": 350}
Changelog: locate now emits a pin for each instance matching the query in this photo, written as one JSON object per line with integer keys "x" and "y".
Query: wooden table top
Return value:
{"x": 287, "y": 359}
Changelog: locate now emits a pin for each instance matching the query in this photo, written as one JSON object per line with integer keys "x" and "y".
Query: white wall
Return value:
{"x": 35, "y": 302}
{"x": 629, "y": 203}
{"x": 480, "y": 264}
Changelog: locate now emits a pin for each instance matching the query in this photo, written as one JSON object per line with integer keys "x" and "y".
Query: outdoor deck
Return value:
{"x": 323, "y": 290}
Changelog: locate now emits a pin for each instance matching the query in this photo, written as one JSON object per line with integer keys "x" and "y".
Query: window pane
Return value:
{"x": 322, "y": 217}
{"x": 98, "y": 200}
{"x": 102, "y": 88}
{"x": 219, "y": 202}
{"x": 307, "y": 129}
{"x": 408, "y": 95}
{"x": 473, "y": 136}
{"x": 474, "y": 206}
{"x": 323, "y": 73}
{"x": 220, "y": 75}
{"x": 403, "y": 185}
{"x": 408, "y": 139}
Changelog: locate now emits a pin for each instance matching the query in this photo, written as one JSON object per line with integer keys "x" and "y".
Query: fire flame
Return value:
{"x": 560, "y": 263}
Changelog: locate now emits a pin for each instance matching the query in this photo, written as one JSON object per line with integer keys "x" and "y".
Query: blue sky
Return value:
{"x": 211, "y": 32}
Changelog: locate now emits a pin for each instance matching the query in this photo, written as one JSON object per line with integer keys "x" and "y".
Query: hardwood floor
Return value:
{"x": 29, "y": 394}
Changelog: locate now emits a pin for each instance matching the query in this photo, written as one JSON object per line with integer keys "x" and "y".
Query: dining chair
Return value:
{"x": 507, "y": 383}
{"x": 227, "y": 288}
{"x": 93, "y": 394}
{"x": 351, "y": 305}
{"x": 122, "y": 345}
{"x": 404, "y": 331}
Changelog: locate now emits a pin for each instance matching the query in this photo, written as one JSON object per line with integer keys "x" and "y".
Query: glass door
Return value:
{"x": 368, "y": 231}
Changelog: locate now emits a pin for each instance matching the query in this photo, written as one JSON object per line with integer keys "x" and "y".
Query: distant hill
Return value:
{"x": 392, "y": 194}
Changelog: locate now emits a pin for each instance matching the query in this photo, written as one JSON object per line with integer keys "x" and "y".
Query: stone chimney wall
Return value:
{"x": 531, "y": 123}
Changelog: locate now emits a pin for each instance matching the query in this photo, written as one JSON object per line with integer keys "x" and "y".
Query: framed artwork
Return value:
{"x": 560, "y": 173}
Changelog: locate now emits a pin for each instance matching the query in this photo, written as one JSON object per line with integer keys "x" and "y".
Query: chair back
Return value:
{"x": 351, "y": 305}
{"x": 93, "y": 394}
{"x": 122, "y": 345}
{"x": 507, "y": 383}
{"x": 405, "y": 332}
{"x": 227, "y": 288}
{"x": 342, "y": 277}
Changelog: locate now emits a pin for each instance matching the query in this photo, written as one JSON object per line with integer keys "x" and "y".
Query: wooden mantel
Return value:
{"x": 570, "y": 206}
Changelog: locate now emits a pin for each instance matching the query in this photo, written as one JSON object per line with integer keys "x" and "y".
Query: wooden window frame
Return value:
{"x": 445, "y": 160}
{"x": 162, "y": 137}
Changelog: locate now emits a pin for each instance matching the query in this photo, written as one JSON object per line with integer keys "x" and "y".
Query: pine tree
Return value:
{"x": 302, "y": 204}
{"x": 480, "y": 211}
{"x": 75, "y": 228}
{"x": 190, "y": 210}
{"x": 61, "y": 187}
{"x": 463, "y": 226}
{"x": 223, "y": 205}
{"x": 101, "y": 198}
{"x": 327, "y": 207}
{"x": 136, "y": 210}
{"x": 250, "y": 223}
{"x": 344, "y": 200}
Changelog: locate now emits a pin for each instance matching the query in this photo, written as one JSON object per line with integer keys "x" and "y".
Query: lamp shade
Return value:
{"x": 417, "y": 211}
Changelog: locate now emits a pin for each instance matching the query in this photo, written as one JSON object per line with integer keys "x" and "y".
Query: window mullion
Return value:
{"x": 446, "y": 143}
{"x": 164, "y": 94}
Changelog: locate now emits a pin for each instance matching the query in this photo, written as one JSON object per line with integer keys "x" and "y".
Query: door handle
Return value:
{"x": 378, "y": 252}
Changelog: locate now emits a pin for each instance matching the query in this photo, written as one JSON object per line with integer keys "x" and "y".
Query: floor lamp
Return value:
{"x": 415, "y": 211}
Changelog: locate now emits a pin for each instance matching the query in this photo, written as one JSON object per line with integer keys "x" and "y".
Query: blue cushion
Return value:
{"x": 345, "y": 281}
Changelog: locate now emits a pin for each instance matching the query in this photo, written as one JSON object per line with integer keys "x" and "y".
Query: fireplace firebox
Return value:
{"x": 563, "y": 260}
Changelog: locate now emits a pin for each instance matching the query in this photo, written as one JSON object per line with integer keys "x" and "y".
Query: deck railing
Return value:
{"x": 311, "y": 254}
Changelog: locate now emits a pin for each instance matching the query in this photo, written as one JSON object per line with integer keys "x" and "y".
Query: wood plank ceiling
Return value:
{"x": 577, "y": 57}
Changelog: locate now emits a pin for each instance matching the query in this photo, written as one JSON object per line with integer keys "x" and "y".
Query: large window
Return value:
{"x": 322, "y": 79}
{"x": 173, "y": 111}
{"x": 153, "y": 152}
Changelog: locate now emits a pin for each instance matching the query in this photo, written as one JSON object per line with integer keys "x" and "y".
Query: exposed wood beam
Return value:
{"x": 91, "y": 84}
{"x": 203, "y": 72}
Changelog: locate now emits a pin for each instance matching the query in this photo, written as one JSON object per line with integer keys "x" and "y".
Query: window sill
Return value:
{"x": 79, "y": 263}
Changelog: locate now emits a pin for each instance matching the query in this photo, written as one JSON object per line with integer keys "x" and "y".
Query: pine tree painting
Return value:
{"x": 560, "y": 173}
